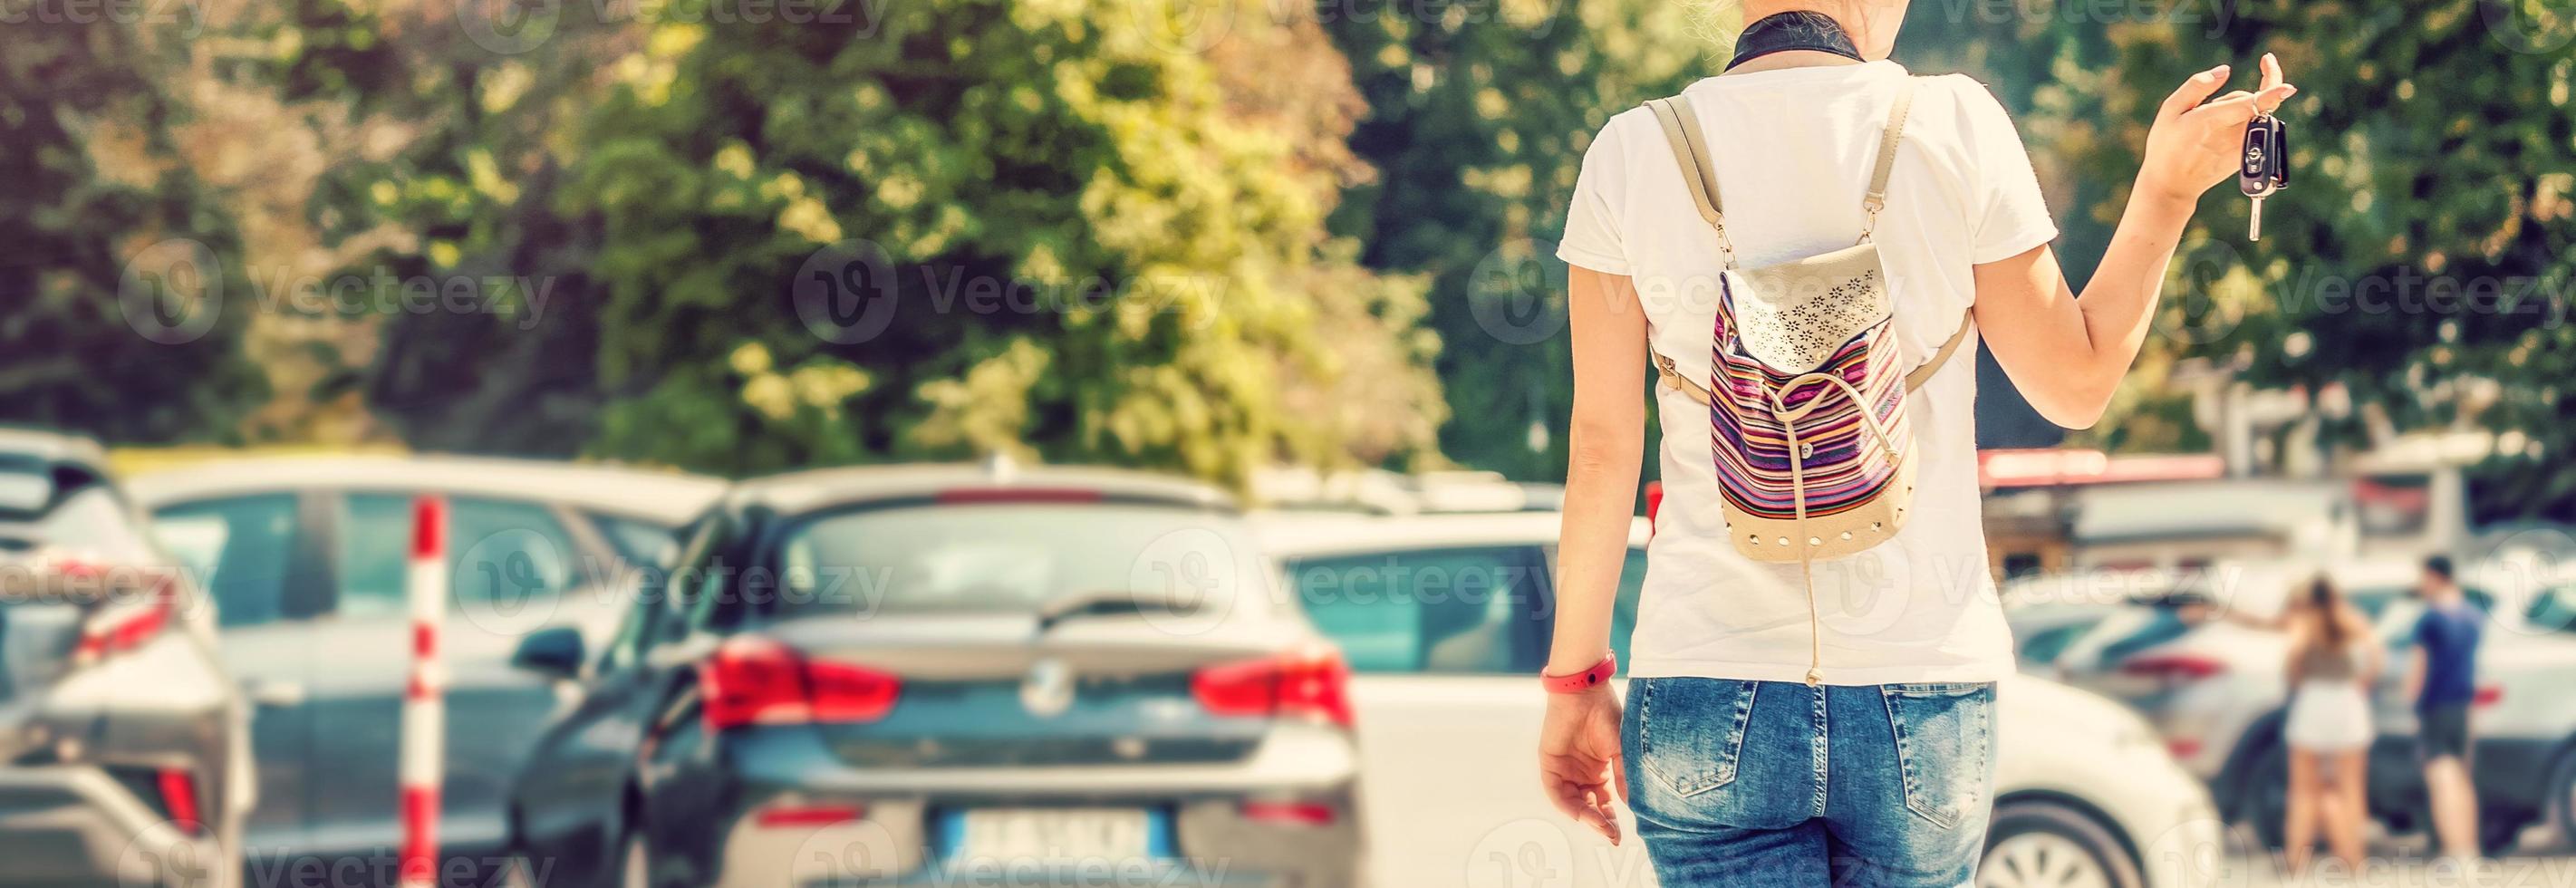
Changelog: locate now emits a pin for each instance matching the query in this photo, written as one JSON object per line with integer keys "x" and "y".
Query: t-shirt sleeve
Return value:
{"x": 1592, "y": 236}
{"x": 2011, "y": 217}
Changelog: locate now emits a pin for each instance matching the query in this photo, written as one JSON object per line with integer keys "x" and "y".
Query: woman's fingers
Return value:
{"x": 2237, "y": 108}
{"x": 2193, "y": 90}
{"x": 2271, "y": 71}
{"x": 1587, "y": 804}
{"x": 1576, "y": 787}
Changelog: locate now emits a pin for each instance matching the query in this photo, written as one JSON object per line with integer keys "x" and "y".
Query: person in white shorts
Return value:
{"x": 2332, "y": 662}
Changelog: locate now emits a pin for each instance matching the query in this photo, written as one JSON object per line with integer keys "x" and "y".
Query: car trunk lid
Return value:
{"x": 1013, "y": 689}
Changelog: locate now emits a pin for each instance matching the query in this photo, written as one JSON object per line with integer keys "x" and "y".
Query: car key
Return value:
{"x": 2264, "y": 169}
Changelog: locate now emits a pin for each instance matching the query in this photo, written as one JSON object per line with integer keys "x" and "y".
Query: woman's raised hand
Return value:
{"x": 2194, "y": 145}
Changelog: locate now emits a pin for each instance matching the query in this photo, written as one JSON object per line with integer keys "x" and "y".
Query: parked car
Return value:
{"x": 307, "y": 557}
{"x": 2215, "y": 690}
{"x": 949, "y": 675}
{"x": 125, "y": 751}
{"x": 1445, "y": 621}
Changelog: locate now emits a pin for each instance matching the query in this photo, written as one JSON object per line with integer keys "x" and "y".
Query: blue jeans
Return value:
{"x": 1776, "y": 784}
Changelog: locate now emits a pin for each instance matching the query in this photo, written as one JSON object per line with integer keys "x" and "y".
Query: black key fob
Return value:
{"x": 2265, "y": 165}
{"x": 2263, "y": 168}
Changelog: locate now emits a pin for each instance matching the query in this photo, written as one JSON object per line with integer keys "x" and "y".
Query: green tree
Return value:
{"x": 2423, "y": 255}
{"x": 1478, "y": 116}
{"x": 1075, "y": 230}
{"x": 119, "y": 271}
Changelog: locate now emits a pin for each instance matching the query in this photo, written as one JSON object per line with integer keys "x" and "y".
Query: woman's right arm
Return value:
{"x": 2067, "y": 355}
{"x": 1579, "y": 737}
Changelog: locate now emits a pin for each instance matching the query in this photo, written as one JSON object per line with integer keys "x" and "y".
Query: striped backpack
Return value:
{"x": 1805, "y": 395}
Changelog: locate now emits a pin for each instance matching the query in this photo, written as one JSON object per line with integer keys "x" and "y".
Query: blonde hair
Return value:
{"x": 1717, "y": 20}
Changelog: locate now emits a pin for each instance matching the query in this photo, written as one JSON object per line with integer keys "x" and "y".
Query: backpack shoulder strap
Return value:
{"x": 1940, "y": 356}
{"x": 1876, "y": 199}
{"x": 1699, "y": 173}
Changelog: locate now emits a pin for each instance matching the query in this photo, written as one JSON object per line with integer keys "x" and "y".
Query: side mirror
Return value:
{"x": 555, "y": 652}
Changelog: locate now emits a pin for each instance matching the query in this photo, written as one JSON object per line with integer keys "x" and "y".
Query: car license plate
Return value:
{"x": 1013, "y": 834}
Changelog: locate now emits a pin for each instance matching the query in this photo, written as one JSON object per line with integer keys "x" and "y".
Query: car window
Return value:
{"x": 1018, "y": 556}
{"x": 502, "y": 553}
{"x": 640, "y": 542}
{"x": 2553, "y": 610}
{"x": 2044, "y": 646}
{"x": 1464, "y": 610}
{"x": 654, "y": 616}
{"x": 239, "y": 548}
{"x": 1623, "y": 611}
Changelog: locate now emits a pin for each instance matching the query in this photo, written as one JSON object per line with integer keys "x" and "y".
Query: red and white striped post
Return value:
{"x": 424, "y": 715}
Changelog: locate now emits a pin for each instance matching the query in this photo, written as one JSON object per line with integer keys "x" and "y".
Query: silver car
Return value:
{"x": 2215, "y": 688}
{"x": 306, "y": 557}
{"x": 125, "y": 754}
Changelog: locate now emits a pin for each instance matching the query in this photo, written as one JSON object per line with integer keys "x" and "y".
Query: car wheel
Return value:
{"x": 2267, "y": 797}
{"x": 2562, "y": 799}
{"x": 2049, "y": 845}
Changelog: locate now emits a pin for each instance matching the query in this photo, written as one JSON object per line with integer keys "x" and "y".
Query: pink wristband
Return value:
{"x": 1578, "y": 682}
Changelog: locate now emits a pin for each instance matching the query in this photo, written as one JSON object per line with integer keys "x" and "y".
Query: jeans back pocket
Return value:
{"x": 1690, "y": 731}
{"x": 1944, "y": 740}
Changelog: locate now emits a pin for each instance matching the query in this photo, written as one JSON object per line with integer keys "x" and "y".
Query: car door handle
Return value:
{"x": 274, "y": 693}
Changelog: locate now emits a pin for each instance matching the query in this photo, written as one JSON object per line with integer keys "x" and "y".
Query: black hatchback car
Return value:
{"x": 950, "y": 675}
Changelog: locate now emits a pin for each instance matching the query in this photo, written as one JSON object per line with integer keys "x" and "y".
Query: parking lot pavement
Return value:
{"x": 2400, "y": 862}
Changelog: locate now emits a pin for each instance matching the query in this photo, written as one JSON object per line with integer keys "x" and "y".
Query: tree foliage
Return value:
{"x": 1478, "y": 114}
{"x": 122, "y": 298}
{"x": 1076, "y": 230}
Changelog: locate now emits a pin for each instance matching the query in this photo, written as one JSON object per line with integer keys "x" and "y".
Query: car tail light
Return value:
{"x": 179, "y": 797}
{"x": 2488, "y": 695}
{"x": 808, "y": 815}
{"x": 1299, "y": 813}
{"x": 759, "y": 681}
{"x": 2182, "y": 747}
{"x": 2174, "y": 667}
{"x": 1312, "y": 684}
{"x": 1654, "y": 504}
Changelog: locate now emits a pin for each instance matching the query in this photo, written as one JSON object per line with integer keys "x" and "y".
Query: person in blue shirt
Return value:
{"x": 2442, "y": 677}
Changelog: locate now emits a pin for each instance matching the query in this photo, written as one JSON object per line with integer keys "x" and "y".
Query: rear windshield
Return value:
{"x": 26, "y": 486}
{"x": 1016, "y": 557}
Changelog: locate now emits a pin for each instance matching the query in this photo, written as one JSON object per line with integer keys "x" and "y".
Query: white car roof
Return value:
{"x": 667, "y": 497}
{"x": 1307, "y": 534}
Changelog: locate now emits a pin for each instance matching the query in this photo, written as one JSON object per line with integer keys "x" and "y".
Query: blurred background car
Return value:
{"x": 2215, "y": 688}
{"x": 950, "y": 675}
{"x": 124, "y": 743}
{"x": 306, "y": 557}
{"x": 1445, "y": 618}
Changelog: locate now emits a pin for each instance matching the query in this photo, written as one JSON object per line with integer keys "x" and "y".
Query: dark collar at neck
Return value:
{"x": 1798, "y": 29}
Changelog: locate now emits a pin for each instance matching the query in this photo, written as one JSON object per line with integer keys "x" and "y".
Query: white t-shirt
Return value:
{"x": 1793, "y": 149}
